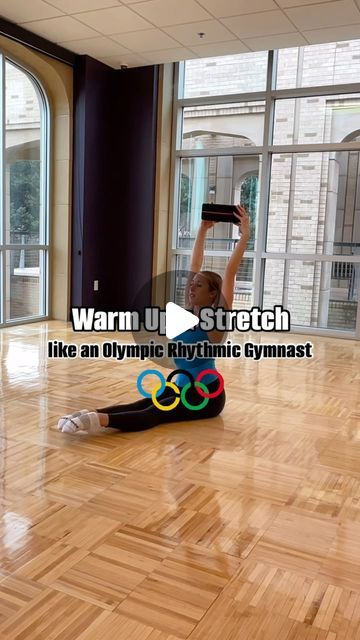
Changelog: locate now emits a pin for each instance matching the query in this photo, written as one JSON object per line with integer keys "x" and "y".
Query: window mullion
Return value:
{"x": 259, "y": 265}
{"x": 176, "y": 133}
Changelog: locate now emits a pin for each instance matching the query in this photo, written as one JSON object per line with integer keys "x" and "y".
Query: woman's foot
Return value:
{"x": 64, "y": 419}
{"x": 89, "y": 422}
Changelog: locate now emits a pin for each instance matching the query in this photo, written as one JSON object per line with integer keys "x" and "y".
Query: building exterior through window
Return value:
{"x": 280, "y": 133}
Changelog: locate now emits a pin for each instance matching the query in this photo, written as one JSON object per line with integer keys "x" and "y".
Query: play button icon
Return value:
{"x": 178, "y": 320}
{"x": 175, "y": 320}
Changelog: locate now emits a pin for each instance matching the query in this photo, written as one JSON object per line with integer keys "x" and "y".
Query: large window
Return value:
{"x": 280, "y": 132}
{"x": 24, "y": 202}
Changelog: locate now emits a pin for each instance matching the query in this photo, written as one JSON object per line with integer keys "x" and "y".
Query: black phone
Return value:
{"x": 219, "y": 212}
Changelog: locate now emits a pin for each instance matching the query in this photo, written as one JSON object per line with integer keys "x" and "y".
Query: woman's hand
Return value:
{"x": 207, "y": 224}
{"x": 244, "y": 223}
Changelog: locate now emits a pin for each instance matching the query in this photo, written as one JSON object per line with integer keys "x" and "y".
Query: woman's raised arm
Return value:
{"x": 197, "y": 255}
{"x": 235, "y": 259}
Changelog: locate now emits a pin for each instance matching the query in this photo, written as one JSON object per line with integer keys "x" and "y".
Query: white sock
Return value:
{"x": 64, "y": 419}
{"x": 87, "y": 422}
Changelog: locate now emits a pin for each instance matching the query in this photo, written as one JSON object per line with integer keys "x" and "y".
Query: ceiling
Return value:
{"x": 137, "y": 33}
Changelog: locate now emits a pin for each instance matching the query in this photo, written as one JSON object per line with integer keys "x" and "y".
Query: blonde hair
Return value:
{"x": 215, "y": 284}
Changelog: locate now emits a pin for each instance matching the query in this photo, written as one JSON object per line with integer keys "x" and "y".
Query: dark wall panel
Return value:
{"x": 138, "y": 105}
{"x": 113, "y": 183}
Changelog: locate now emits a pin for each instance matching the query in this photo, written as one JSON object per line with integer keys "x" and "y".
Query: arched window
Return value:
{"x": 24, "y": 205}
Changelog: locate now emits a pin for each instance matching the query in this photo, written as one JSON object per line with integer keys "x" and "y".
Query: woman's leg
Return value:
{"x": 94, "y": 421}
{"x": 137, "y": 405}
{"x": 151, "y": 416}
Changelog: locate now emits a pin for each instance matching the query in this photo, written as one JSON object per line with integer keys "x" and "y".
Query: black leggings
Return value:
{"x": 142, "y": 414}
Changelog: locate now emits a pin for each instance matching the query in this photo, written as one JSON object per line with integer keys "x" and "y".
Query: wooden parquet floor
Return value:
{"x": 246, "y": 526}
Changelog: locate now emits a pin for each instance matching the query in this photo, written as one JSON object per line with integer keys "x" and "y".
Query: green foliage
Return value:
{"x": 185, "y": 200}
{"x": 249, "y": 195}
{"x": 25, "y": 196}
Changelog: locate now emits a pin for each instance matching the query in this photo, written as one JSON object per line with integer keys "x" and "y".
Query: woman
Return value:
{"x": 203, "y": 289}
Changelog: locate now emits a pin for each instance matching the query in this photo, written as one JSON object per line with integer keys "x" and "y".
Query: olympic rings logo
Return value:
{"x": 180, "y": 395}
